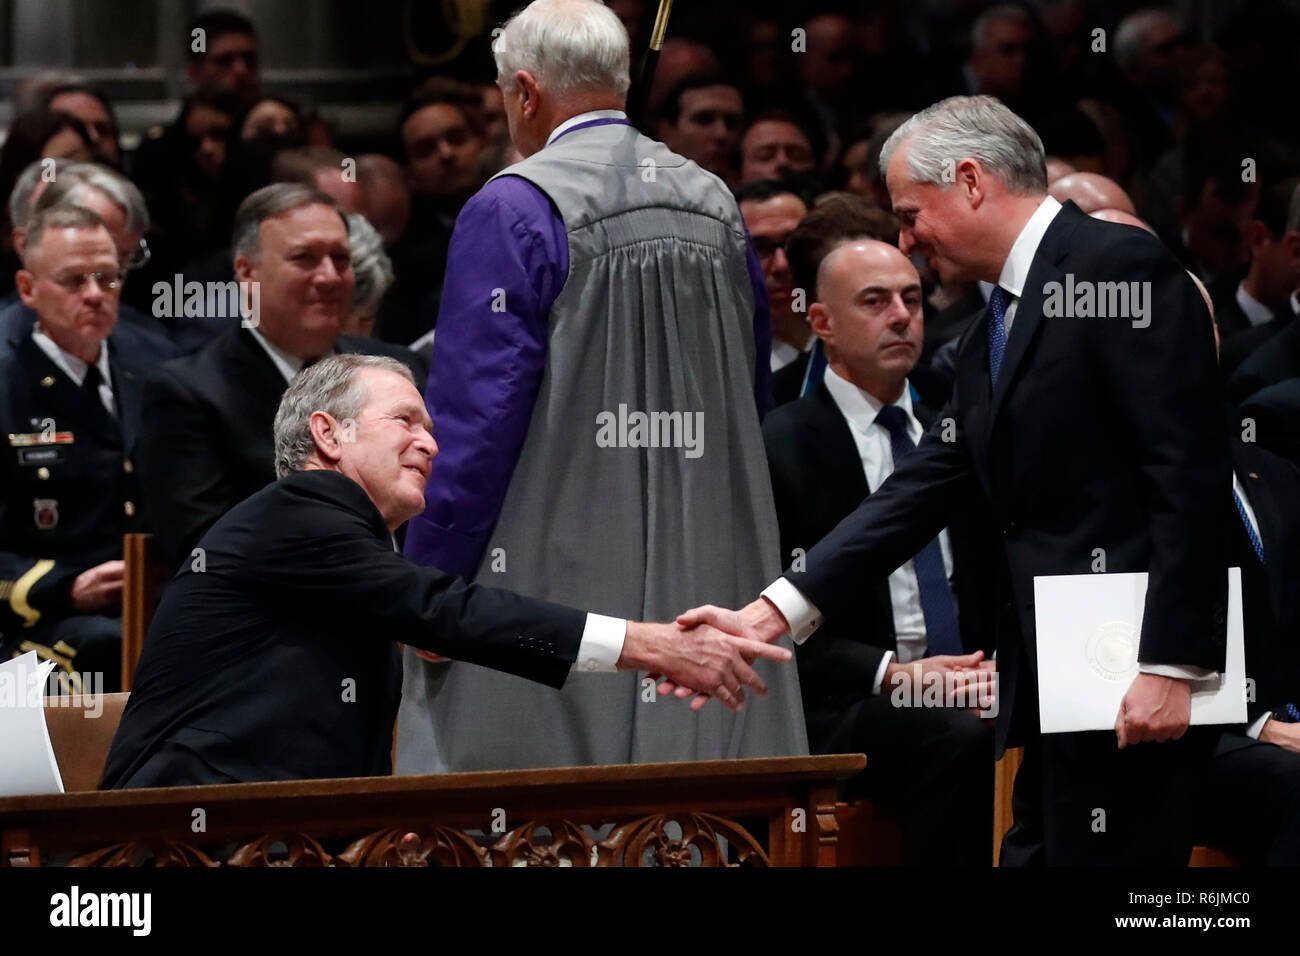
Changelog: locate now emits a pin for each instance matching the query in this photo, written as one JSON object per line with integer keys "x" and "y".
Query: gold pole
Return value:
{"x": 661, "y": 25}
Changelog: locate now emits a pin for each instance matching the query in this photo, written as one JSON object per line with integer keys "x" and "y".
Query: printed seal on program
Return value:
{"x": 1112, "y": 651}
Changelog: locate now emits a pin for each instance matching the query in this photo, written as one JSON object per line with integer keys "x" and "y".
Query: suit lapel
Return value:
{"x": 830, "y": 434}
{"x": 65, "y": 400}
{"x": 1048, "y": 265}
{"x": 1268, "y": 520}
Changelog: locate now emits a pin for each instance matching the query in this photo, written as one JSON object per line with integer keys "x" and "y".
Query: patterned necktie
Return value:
{"x": 999, "y": 299}
{"x": 1250, "y": 528}
{"x": 937, "y": 605}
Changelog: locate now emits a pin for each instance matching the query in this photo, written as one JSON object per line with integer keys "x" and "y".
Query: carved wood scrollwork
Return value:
{"x": 141, "y": 852}
{"x": 434, "y": 846}
{"x": 300, "y": 850}
{"x": 627, "y": 845}
{"x": 523, "y": 846}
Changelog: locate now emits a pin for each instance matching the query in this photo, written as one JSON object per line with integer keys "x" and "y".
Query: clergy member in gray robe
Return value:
{"x": 596, "y": 387}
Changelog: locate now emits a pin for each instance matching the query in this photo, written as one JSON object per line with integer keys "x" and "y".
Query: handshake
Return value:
{"x": 707, "y": 652}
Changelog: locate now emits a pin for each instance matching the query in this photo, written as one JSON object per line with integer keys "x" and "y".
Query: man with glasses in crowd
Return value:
{"x": 70, "y": 407}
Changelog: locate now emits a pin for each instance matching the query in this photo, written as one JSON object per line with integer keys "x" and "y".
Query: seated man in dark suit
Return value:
{"x": 70, "y": 404}
{"x": 207, "y": 439}
{"x": 932, "y": 765}
{"x": 273, "y": 653}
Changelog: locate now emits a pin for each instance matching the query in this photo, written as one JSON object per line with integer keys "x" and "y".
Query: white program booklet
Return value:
{"x": 27, "y": 762}
{"x": 1088, "y": 629}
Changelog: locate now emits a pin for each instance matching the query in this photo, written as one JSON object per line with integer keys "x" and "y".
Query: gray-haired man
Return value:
{"x": 1091, "y": 438}
{"x": 599, "y": 290}
{"x": 272, "y": 655}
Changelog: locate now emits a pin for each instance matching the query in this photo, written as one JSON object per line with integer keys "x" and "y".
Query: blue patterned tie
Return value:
{"x": 937, "y": 604}
{"x": 999, "y": 299}
{"x": 1250, "y": 528}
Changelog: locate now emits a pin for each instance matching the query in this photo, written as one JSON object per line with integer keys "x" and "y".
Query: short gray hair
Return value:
{"x": 570, "y": 46}
{"x": 20, "y": 199}
{"x": 271, "y": 201}
{"x": 978, "y": 127}
{"x": 331, "y": 386}
{"x": 1131, "y": 34}
{"x": 75, "y": 180}
{"x": 63, "y": 216}
{"x": 371, "y": 267}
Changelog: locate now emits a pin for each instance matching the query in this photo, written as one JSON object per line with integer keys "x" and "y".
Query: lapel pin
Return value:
{"x": 47, "y": 381}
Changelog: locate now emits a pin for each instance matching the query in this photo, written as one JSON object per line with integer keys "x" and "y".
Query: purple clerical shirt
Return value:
{"x": 508, "y": 260}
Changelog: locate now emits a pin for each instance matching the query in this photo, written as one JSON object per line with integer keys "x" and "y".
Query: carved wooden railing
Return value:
{"x": 769, "y": 812}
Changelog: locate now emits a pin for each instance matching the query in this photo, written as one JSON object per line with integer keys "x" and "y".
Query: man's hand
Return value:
{"x": 1155, "y": 708}
{"x": 99, "y": 588}
{"x": 1284, "y": 735}
{"x": 702, "y": 657}
{"x": 757, "y": 621}
{"x": 964, "y": 678}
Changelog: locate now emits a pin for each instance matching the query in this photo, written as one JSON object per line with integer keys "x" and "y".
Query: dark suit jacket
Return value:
{"x": 1275, "y": 410}
{"x": 207, "y": 441}
{"x": 787, "y": 381}
{"x": 1270, "y": 597}
{"x": 817, "y": 480}
{"x": 1277, "y": 362}
{"x": 278, "y": 659}
{"x": 65, "y": 502}
{"x": 1239, "y": 346}
{"x": 1098, "y": 435}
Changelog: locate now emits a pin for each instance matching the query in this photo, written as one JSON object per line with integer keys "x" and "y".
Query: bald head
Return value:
{"x": 868, "y": 315}
{"x": 1121, "y": 217}
{"x": 1091, "y": 191}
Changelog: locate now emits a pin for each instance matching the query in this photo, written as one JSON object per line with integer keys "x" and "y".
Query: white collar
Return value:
{"x": 287, "y": 364}
{"x": 1256, "y": 312}
{"x": 860, "y": 407}
{"x": 587, "y": 117}
{"x": 1295, "y": 304}
{"x": 1015, "y": 271}
{"x": 72, "y": 366}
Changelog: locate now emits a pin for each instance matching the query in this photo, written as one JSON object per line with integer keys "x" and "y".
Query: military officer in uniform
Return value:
{"x": 69, "y": 409}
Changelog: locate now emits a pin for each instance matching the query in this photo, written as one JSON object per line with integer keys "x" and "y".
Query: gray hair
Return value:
{"x": 63, "y": 216}
{"x": 1006, "y": 11}
{"x": 1131, "y": 34}
{"x": 20, "y": 200}
{"x": 978, "y": 127}
{"x": 570, "y": 46}
{"x": 371, "y": 266}
{"x": 331, "y": 386}
{"x": 75, "y": 180}
{"x": 270, "y": 201}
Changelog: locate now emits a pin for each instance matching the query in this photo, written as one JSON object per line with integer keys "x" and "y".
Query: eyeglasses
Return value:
{"x": 137, "y": 257}
{"x": 765, "y": 247}
{"x": 108, "y": 281}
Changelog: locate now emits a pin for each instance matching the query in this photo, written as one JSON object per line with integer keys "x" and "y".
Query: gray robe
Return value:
{"x": 656, "y": 316}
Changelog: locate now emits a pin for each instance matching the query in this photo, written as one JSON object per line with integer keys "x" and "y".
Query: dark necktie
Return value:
{"x": 1250, "y": 529}
{"x": 91, "y": 385}
{"x": 999, "y": 299}
{"x": 937, "y": 604}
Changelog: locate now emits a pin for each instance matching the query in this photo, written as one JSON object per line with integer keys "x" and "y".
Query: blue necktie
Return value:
{"x": 999, "y": 299}
{"x": 1250, "y": 529}
{"x": 937, "y": 604}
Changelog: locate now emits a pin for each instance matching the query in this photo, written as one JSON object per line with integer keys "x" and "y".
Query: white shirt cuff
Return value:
{"x": 602, "y": 644}
{"x": 800, "y": 613}
{"x": 1179, "y": 671}
{"x": 1253, "y": 731}
{"x": 880, "y": 672}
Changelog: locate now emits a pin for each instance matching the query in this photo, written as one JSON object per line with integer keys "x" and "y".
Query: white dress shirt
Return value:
{"x": 75, "y": 368}
{"x": 875, "y": 451}
{"x": 800, "y": 613}
{"x": 288, "y": 364}
{"x": 1256, "y": 312}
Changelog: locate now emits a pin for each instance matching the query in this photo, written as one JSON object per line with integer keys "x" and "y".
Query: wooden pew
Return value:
{"x": 81, "y": 731}
{"x": 143, "y": 580}
{"x": 769, "y": 812}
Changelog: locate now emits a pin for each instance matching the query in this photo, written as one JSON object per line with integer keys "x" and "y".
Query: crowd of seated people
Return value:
{"x": 132, "y": 403}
